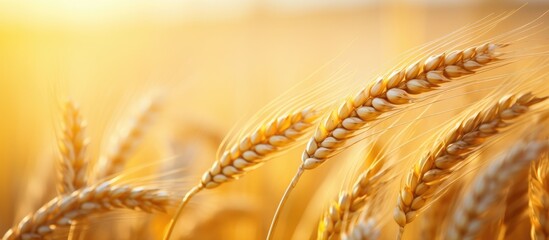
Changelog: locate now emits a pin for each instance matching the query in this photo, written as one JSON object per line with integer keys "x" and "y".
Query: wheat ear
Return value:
{"x": 73, "y": 147}
{"x": 384, "y": 95}
{"x": 126, "y": 145}
{"x": 63, "y": 210}
{"x": 489, "y": 187}
{"x": 450, "y": 153}
{"x": 365, "y": 230}
{"x": 538, "y": 195}
{"x": 267, "y": 140}
{"x": 349, "y": 204}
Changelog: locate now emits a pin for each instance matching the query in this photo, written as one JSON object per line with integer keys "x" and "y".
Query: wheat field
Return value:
{"x": 274, "y": 120}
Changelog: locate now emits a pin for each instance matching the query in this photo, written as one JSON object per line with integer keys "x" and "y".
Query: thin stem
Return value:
{"x": 400, "y": 233}
{"x": 283, "y": 201}
{"x": 182, "y": 204}
{"x": 72, "y": 231}
{"x": 77, "y": 230}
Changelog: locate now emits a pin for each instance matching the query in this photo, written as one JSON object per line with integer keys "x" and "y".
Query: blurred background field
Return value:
{"x": 219, "y": 60}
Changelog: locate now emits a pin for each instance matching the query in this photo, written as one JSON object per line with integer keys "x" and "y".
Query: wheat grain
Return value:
{"x": 126, "y": 145}
{"x": 472, "y": 211}
{"x": 365, "y": 230}
{"x": 63, "y": 210}
{"x": 450, "y": 153}
{"x": 73, "y": 146}
{"x": 349, "y": 204}
{"x": 538, "y": 195}
{"x": 252, "y": 151}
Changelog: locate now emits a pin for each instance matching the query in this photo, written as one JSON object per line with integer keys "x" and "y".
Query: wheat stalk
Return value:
{"x": 470, "y": 214}
{"x": 538, "y": 195}
{"x": 63, "y": 210}
{"x": 252, "y": 151}
{"x": 385, "y": 95}
{"x": 349, "y": 204}
{"x": 73, "y": 147}
{"x": 450, "y": 153}
{"x": 366, "y": 229}
{"x": 127, "y": 143}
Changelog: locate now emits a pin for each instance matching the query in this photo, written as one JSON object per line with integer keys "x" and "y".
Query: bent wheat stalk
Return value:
{"x": 385, "y": 95}
{"x": 489, "y": 187}
{"x": 428, "y": 174}
{"x": 252, "y": 151}
{"x": 63, "y": 210}
{"x": 538, "y": 195}
{"x": 73, "y": 147}
{"x": 350, "y": 204}
{"x": 126, "y": 145}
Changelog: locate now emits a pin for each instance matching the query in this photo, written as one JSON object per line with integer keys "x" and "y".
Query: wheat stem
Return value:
{"x": 400, "y": 233}
{"x": 290, "y": 187}
{"x": 182, "y": 204}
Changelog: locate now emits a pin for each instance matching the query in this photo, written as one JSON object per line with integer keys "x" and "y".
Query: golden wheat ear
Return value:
{"x": 73, "y": 145}
{"x": 350, "y": 204}
{"x": 471, "y": 213}
{"x": 451, "y": 152}
{"x": 386, "y": 94}
{"x": 103, "y": 197}
{"x": 129, "y": 139}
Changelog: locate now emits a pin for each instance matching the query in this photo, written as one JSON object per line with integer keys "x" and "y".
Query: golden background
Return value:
{"x": 220, "y": 61}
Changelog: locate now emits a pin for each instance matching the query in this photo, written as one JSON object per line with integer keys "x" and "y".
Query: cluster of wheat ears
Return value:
{"x": 477, "y": 173}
